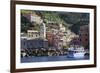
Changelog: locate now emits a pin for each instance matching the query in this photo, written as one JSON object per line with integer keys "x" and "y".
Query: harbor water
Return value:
{"x": 51, "y": 58}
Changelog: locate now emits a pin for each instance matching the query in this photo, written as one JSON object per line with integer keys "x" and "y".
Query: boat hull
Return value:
{"x": 79, "y": 55}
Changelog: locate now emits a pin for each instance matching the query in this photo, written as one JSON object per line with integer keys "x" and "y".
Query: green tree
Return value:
{"x": 25, "y": 24}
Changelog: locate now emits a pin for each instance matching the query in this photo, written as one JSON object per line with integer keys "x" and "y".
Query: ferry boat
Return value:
{"x": 78, "y": 52}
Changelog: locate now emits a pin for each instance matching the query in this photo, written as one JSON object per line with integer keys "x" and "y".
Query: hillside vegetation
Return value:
{"x": 70, "y": 20}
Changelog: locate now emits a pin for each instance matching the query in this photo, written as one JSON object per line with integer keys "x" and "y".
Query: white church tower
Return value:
{"x": 43, "y": 31}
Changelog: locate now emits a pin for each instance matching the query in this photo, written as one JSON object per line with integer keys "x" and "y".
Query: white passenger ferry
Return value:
{"x": 78, "y": 52}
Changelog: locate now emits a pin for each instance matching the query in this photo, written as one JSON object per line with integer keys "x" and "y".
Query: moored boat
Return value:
{"x": 76, "y": 52}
